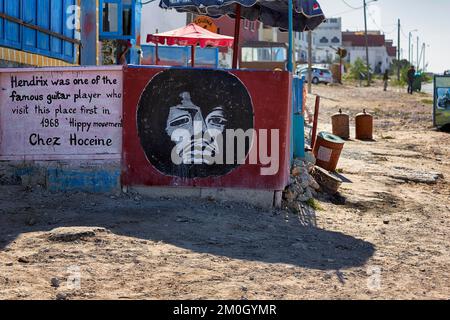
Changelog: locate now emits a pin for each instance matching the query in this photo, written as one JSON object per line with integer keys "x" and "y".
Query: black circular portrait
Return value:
{"x": 184, "y": 117}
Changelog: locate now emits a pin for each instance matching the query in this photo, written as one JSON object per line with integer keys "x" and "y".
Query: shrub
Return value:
{"x": 357, "y": 70}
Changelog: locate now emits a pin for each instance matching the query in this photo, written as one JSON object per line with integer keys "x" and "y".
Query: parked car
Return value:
{"x": 444, "y": 101}
{"x": 447, "y": 73}
{"x": 319, "y": 75}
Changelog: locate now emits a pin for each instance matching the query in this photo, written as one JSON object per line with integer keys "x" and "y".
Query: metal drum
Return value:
{"x": 327, "y": 150}
{"x": 341, "y": 124}
{"x": 364, "y": 126}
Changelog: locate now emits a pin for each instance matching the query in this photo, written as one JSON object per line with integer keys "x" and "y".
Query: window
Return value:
{"x": 323, "y": 40}
{"x": 263, "y": 54}
{"x": 335, "y": 40}
{"x": 110, "y": 22}
{"x": 117, "y": 19}
{"x": 127, "y": 16}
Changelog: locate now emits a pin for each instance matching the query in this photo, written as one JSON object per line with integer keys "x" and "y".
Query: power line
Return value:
{"x": 350, "y": 6}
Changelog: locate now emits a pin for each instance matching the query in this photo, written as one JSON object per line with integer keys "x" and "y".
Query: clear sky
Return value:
{"x": 430, "y": 17}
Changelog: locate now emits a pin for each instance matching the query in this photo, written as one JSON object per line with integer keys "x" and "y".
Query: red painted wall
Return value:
{"x": 248, "y": 30}
{"x": 270, "y": 93}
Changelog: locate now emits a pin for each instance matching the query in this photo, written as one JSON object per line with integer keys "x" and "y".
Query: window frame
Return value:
{"x": 119, "y": 33}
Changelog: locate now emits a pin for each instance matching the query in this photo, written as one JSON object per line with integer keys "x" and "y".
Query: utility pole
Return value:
{"x": 424, "y": 61}
{"x": 418, "y": 61}
{"x": 367, "y": 43}
{"x": 420, "y": 56}
{"x": 398, "y": 51}
{"x": 309, "y": 62}
{"x": 409, "y": 47}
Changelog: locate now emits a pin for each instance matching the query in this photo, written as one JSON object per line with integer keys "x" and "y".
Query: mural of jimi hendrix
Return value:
{"x": 185, "y": 113}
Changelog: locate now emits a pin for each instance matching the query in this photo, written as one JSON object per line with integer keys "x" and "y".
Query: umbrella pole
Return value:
{"x": 156, "y": 54}
{"x": 237, "y": 28}
{"x": 291, "y": 26}
{"x": 192, "y": 56}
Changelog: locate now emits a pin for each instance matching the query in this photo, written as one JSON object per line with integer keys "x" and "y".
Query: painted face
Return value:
{"x": 201, "y": 134}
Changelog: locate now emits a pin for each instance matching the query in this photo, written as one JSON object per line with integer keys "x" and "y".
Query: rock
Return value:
{"x": 68, "y": 234}
{"x": 329, "y": 182}
{"x": 301, "y": 185}
{"x": 409, "y": 175}
{"x": 298, "y": 163}
{"x": 304, "y": 180}
{"x": 307, "y": 195}
{"x": 296, "y": 171}
{"x": 289, "y": 195}
{"x": 23, "y": 260}
{"x": 386, "y": 221}
{"x": 310, "y": 158}
{"x": 9, "y": 264}
{"x": 313, "y": 183}
{"x": 61, "y": 296}
{"x": 55, "y": 282}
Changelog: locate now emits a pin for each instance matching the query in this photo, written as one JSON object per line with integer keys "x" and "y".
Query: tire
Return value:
{"x": 315, "y": 80}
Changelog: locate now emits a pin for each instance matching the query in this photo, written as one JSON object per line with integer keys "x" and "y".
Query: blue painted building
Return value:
{"x": 38, "y": 32}
{"x": 66, "y": 32}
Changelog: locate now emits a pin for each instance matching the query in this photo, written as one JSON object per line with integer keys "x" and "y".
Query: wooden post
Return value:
{"x": 309, "y": 62}
{"x": 192, "y": 56}
{"x": 237, "y": 28}
{"x": 316, "y": 119}
{"x": 156, "y": 51}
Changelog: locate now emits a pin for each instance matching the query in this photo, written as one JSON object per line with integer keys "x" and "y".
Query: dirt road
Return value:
{"x": 387, "y": 236}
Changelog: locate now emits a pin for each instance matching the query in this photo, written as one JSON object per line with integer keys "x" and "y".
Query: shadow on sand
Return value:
{"x": 224, "y": 229}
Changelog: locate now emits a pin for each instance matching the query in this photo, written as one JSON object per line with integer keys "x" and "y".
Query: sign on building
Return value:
{"x": 441, "y": 112}
{"x": 66, "y": 113}
{"x": 206, "y": 23}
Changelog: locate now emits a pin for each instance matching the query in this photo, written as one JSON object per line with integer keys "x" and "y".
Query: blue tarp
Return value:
{"x": 307, "y": 13}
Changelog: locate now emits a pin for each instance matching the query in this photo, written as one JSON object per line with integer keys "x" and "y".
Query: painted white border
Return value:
{"x": 58, "y": 69}
{"x": 55, "y": 157}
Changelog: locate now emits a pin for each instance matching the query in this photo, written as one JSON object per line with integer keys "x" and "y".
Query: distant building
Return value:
{"x": 271, "y": 34}
{"x": 327, "y": 36}
{"x": 381, "y": 51}
{"x": 248, "y": 33}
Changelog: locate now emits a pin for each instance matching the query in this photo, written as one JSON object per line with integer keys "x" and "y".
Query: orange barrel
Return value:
{"x": 327, "y": 150}
{"x": 364, "y": 126}
{"x": 341, "y": 124}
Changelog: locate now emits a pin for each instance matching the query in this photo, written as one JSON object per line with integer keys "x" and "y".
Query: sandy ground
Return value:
{"x": 386, "y": 236}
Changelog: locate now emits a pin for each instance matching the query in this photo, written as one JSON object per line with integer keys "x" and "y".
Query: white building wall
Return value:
{"x": 301, "y": 45}
{"x": 376, "y": 55}
{"x": 327, "y": 35}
